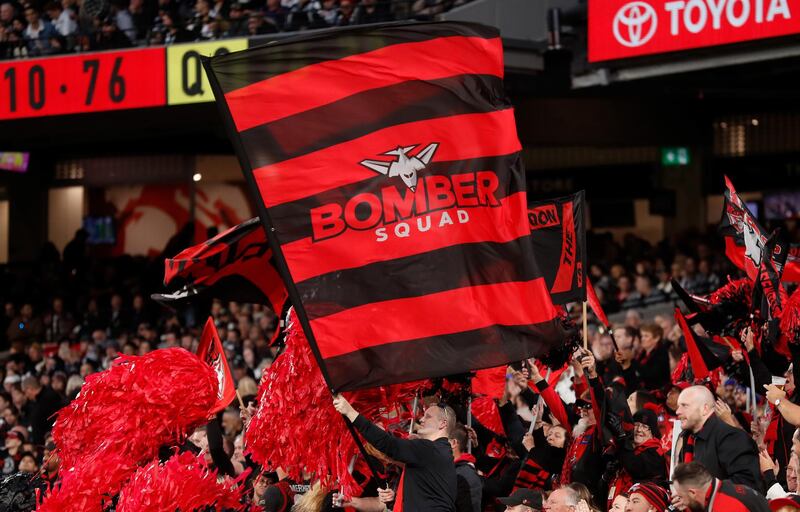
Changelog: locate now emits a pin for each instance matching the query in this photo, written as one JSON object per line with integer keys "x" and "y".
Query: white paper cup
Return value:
{"x": 779, "y": 381}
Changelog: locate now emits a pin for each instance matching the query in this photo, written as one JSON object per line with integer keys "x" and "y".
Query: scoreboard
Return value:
{"x": 112, "y": 80}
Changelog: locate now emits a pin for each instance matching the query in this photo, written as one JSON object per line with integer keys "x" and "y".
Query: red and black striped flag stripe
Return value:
{"x": 235, "y": 265}
{"x": 388, "y": 173}
{"x": 558, "y": 232}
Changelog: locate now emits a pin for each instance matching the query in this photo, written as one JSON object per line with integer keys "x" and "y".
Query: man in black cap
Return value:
{"x": 522, "y": 500}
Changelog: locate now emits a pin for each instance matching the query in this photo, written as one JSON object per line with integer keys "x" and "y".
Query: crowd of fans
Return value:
{"x": 38, "y": 27}
{"x": 636, "y": 274}
{"x": 599, "y": 438}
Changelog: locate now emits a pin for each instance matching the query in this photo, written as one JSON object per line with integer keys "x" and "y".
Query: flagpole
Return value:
{"x": 676, "y": 434}
{"x": 363, "y": 450}
{"x": 469, "y": 418}
{"x": 413, "y": 414}
{"x": 539, "y": 404}
{"x": 585, "y": 329}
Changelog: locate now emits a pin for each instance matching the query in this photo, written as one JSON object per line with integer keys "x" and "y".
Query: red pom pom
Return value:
{"x": 184, "y": 482}
{"x": 122, "y": 417}
{"x": 740, "y": 290}
{"x": 485, "y": 410}
{"x": 296, "y": 427}
{"x": 790, "y": 319}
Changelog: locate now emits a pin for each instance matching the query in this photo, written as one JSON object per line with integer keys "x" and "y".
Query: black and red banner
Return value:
{"x": 558, "y": 233}
{"x": 387, "y": 170}
{"x": 745, "y": 238}
{"x": 705, "y": 354}
{"x": 235, "y": 265}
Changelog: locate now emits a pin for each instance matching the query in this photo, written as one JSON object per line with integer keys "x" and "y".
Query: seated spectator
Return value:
{"x": 712, "y": 280}
{"x": 275, "y": 16}
{"x": 644, "y": 295}
{"x": 66, "y": 24}
{"x": 108, "y": 36}
{"x": 37, "y": 34}
{"x": 141, "y": 18}
{"x": 26, "y": 327}
{"x": 691, "y": 280}
{"x": 199, "y": 15}
{"x": 257, "y": 26}
{"x": 429, "y": 8}
{"x": 173, "y": 28}
{"x": 7, "y": 14}
{"x": 304, "y": 16}
{"x": 328, "y": 12}
{"x": 345, "y": 15}
{"x": 11, "y": 454}
{"x": 28, "y": 463}
{"x": 44, "y": 403}
{"x": 373, "y": 11}
{"x": 237, "y": 21}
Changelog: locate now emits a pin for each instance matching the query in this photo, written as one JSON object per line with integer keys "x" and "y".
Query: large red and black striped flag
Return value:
{"x": 388, "y": 173}
{"x": 558, "y": 230}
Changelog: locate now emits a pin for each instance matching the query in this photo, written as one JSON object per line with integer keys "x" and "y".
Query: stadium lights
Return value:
{"x": 197, "y": 176}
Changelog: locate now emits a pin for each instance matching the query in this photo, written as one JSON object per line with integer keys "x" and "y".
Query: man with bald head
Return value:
{"x": 727, "y": 453}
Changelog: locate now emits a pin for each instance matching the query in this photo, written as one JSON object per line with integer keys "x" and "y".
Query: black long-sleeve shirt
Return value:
{"x": 216, "y": 449}
{"x": 429, "y": 479}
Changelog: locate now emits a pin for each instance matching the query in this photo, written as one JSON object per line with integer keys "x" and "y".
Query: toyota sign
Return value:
{"x": 627, "y": 28}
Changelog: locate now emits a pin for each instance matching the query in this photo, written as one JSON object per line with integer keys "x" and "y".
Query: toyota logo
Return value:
{"x": 635, "y": 24}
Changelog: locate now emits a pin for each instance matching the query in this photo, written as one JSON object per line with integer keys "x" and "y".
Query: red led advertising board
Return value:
{"x": 91, "y": 82}
{"x": 620, "y": 29}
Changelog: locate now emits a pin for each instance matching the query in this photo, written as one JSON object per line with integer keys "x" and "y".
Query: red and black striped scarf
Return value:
{"x": 531, "y": 476}
{"x": 688, "y": 448}
{"x": 575, "y": 453}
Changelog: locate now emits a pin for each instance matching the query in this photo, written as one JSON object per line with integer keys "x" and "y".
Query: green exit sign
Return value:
{"x": 674, "y": 156}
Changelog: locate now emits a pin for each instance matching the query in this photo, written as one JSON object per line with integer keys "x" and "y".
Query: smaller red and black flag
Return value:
{"x": 558, "y": 232}
{"x": 594, "y": 303}
{"x": 768, "y": 287}
{"x": 210, "y": 351}
{"x": 705, "y": 354}
{"x": 235, "y": 265}
{"x": 769, "y": 297}
{"x": 745, "y": 238}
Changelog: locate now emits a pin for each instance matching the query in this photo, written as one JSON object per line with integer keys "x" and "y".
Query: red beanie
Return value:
{"x": 656, "y": 496}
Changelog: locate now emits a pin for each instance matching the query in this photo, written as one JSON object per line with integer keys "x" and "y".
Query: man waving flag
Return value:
{"x": 387, "y": 171}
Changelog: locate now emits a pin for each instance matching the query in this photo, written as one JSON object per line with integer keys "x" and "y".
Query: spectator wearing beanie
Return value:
{"x": 647, "y": 497}
{"x": 789, "y": 503}
{"x": 639, "y": 452}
